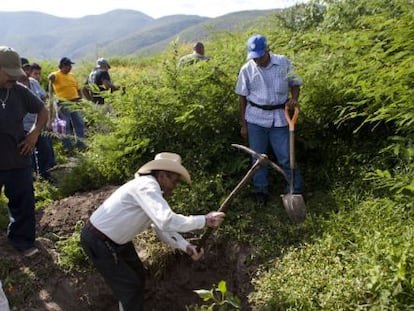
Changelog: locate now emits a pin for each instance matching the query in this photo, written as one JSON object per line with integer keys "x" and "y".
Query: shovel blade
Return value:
{"x": 295, "y": 207}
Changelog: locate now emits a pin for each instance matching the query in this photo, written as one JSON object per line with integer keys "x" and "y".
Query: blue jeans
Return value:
{"x": 74, "y": 123}
{"x": 18, "y": 188}
{"x": 278, "y": 137}
{"x": 125, "y": 275}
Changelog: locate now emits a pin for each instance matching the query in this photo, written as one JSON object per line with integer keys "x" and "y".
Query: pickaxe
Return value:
{"x": 262, "y": 160}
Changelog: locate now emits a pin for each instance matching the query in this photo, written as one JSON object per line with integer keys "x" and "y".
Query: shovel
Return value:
{"x": 294, "y": 203}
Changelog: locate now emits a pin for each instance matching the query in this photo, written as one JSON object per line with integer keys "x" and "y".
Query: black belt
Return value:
{"x": 97, "y": 233}
{"x": 267, "y": 107}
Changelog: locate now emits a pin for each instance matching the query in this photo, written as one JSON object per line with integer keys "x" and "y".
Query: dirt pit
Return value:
{"x": 53, "y": 289}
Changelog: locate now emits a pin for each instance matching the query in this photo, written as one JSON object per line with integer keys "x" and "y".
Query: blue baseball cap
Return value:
{"x": 256, "y": 46}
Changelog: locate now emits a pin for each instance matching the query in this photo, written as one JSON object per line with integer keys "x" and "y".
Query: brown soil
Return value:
{"x": 53, "y": 289}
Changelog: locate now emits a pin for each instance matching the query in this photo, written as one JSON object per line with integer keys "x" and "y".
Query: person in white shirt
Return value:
{"x": 131, "y": 209}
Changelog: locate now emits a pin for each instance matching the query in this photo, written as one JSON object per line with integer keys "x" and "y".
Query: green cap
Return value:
{"x": 10, "y": 62}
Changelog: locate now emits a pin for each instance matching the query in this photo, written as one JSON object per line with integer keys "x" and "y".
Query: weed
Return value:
{"x": 72, "y": 256}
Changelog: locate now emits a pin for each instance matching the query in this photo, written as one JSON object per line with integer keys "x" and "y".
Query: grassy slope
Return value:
{"x": 359, "y": 256}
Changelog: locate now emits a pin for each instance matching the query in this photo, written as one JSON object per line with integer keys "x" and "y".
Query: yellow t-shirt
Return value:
{"x": 65, "y": 86}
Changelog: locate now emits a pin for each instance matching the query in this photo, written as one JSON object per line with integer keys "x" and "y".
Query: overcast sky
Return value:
{"x": 153, "y": 8}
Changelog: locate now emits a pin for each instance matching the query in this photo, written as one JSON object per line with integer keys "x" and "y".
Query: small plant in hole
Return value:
{"x": 220, "y": 299}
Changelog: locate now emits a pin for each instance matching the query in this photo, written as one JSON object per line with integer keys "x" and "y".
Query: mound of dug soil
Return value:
{"x": 52, "y": 289}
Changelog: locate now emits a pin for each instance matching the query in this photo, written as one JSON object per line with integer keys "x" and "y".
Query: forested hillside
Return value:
{"x": 355, "y": 148}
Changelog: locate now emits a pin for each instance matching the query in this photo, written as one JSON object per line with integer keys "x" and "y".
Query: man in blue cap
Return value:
{"x": 266, "y": 83}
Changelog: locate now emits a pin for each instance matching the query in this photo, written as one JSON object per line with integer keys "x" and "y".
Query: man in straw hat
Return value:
{"x": 16, "y": 173}
{"x": 134, "y": 207}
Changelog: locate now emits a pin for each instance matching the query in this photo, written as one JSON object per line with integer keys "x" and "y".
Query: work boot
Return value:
{"x": 261, "y": 198}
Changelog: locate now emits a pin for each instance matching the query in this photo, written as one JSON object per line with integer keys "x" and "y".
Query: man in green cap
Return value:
{"x": 16, "y": 173}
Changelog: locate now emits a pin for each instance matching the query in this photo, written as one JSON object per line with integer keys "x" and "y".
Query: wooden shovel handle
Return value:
{"x": 291, "y": 120}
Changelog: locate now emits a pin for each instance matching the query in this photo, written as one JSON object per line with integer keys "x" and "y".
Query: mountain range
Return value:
{"x": 116, "y": 33}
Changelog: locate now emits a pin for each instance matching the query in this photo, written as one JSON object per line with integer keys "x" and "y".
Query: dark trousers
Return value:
{"x": 120, "y": 266}
{"x": 18, "y": 188}
{"x": 44, "y": 156}
{"x": 98, "y": 100}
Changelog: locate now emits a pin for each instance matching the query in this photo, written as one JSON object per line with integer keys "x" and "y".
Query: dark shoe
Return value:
{"x": 47, "y": 176}
{"x": 30, "y": 252}
{"x": 81, "y": 145}
{"x": 261, "y": 198}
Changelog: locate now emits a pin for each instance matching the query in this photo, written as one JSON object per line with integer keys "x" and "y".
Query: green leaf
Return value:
{"x": 222, "y": 287}
{"x": 204, "y": 294}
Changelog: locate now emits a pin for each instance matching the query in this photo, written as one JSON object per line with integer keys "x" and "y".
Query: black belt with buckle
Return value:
{"x": 98, "y": 233}
{"x": 267, "y": 107}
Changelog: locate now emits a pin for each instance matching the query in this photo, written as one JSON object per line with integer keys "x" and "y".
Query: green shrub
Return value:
{"x": 72, "y": 256}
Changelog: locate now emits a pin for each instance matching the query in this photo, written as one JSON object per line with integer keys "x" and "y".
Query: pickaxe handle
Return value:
{"x": 262, "y": 160}
{"x": 225, "y": 205}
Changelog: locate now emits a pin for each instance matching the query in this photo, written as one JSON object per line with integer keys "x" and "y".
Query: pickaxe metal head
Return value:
{"x": 262, "y": 158}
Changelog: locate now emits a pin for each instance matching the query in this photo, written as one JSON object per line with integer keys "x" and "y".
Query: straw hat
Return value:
{"x": 166, "y": 161}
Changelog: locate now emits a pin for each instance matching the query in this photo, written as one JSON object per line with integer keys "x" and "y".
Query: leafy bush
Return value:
{"x": 72, "y": 256}
{"x": 191, "y": 110}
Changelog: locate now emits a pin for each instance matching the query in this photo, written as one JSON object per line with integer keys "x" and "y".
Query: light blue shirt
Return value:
{"x": 267, "y": 86}
{"x": 37, "y": 89}
{"x": 30, "y": 118}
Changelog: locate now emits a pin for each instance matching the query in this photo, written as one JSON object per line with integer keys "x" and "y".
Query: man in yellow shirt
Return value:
{"x": 64, "y": 86}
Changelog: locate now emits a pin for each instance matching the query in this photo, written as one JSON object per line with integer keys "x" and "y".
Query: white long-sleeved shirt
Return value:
{"x": 136, "y": 205}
